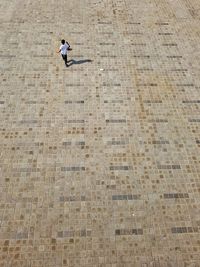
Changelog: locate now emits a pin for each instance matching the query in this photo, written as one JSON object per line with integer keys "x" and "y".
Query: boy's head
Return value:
{"x": 63, "y": 41}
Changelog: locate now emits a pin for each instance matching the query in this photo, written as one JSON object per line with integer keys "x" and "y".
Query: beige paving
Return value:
{"x": 99, "y": 162}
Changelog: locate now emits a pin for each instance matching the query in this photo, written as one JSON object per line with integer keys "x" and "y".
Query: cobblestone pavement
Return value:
{"x": 99, "y": 162}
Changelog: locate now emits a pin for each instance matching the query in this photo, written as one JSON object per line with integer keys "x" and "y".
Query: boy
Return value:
{"x": 63, "y": 50}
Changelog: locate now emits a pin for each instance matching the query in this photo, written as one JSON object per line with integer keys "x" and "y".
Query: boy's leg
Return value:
{"x": 65, "y": 59}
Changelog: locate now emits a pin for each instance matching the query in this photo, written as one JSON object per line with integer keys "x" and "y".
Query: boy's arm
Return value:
{"x": 69, "y": 48}
{"x": 58, "y": 51}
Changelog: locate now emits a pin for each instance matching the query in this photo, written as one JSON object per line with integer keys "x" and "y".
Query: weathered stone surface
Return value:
{"x": 99, "y": 162}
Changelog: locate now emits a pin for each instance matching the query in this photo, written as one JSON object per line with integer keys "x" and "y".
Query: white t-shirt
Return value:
{"x": 63, "y": 49}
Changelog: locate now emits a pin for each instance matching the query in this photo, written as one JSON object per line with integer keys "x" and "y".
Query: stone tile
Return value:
{"x": 99, "y": 162}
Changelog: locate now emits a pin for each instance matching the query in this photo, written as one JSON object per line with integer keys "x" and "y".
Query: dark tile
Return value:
{"x": 191, "y": 101}
{"x": 185, "y": 85}
{"x": 72, "y": 168}
{"x": 170, "y": 44}
{"x": 125, "y": 168}
{"x": 165, "y": 33}
{"x": 67, "y": 143}
{"x": 116, "y": 121}
{"x": 60, "y": 234}
{"x": 125, "y": 197}
{"x": 22, "y": 235}
{"x": 194, "y": 120}
{"x": 117, "y": 232}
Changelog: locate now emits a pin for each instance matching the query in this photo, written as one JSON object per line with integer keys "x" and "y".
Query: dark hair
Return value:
{"x": 63, "y": 41}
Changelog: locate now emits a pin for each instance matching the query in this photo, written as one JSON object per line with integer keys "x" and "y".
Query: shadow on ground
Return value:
{"x": 77, "y": 62}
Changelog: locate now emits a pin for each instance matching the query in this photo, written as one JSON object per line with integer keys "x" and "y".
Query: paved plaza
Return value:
{"x": 100, "y": 162}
